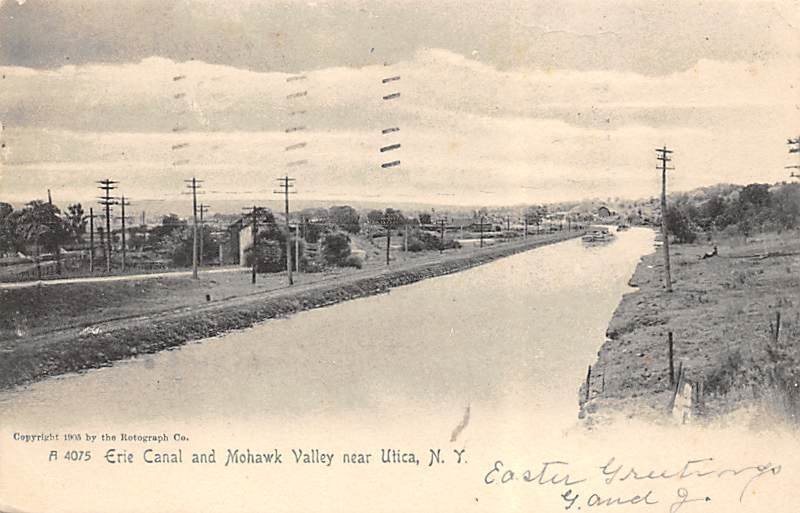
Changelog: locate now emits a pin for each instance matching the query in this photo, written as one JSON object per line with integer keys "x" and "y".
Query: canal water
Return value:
{"x": 487, "y": 361}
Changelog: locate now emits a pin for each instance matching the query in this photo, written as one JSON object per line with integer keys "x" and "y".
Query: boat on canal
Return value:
{"x": 598, "y": 235}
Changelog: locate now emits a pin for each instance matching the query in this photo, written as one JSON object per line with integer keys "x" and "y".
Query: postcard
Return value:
{"x": 360, "y": 255}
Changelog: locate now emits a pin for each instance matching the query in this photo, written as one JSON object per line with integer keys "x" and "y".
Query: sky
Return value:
{"x": 500, "y": 102}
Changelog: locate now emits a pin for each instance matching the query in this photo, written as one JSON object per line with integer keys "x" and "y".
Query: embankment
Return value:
{"x": 735, "y": 322}
{"x": 23, "y": 362}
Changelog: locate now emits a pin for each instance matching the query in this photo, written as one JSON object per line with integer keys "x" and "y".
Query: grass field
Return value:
{"x": 723, "y": 315}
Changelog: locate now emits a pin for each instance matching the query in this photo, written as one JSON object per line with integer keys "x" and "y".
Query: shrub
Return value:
{"x": 415, "y": 245}
{"x": 353, "y": 261}
{"x": 336, "y": 248}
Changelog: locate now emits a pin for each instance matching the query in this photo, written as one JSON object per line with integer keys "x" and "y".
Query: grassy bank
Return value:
{"x": 25, "y": 359}
{"x": 723, "y": 314}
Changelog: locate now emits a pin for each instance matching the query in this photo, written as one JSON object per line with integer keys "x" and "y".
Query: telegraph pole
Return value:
{"x": 194, "y": 184}
{"x": 388, "y": 240}
{"x": 794, "y": 147}
{"x": 525, "y": 220}
{"x": 664, "y": 157}
{"x": 297, "y": 247}
{"x": 285, "y": 189}
{"x": 107, "y": 201}
{"x": 58, "y": 247}
{"x": 482, "y": 218}
{"x": 442, "y": 223}
{"x": 203, "y": 209}
{"x": 123, "y": 203}
{"x": 254, "y": 212}
{"x": 91, "y": 239}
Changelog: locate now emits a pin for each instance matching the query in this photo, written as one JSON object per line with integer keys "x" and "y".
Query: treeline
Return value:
{"x": 734, "y": 210}
{"x": 40, "y": 225}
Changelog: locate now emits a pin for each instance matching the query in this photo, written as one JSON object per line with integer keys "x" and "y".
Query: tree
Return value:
{"x": 392, "y": 219}
{"x": 169, "y": 224}
{"x": 679, "y": 225}
{"x": 534, "y": 214}
{"x": 712, "y": 212}
{"x": 346, "y": 218}
{"x": 786, "y": 206}
{"x": 375, "y": 217}
{"x": 336, "y": 248}
{"x": 424, "y": 218}
{"x": 40, "y": 223}
{"x": 755, "y": 195}
{"x": 8, "y": 239}
{"x": 76, "y": 220}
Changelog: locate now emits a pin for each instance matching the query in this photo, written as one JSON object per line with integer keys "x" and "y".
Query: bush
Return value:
{"x": 336, "y": 248}
{"x": 679, "y": 225}
{"x": 353, "y": 261}
{"x": 415, "y": 245}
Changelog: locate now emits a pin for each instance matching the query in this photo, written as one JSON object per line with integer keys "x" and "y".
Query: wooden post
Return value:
{"x": 388, "y": 241}
{"x": 91, "y": 240}
{"x": 664, "y": 158}
{"x": 588, "y": 382}
{"x": 671, "y": 361}
{"x": 297, "y": 248}
{"x": 777, "y": 325}
{"x": 255, "y": 245}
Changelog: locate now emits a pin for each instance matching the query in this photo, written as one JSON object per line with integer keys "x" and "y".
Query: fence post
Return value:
{"x": 671, "y": 361}
{"x": 588, "y": 382}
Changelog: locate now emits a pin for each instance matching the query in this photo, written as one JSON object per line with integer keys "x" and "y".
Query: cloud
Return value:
{"x": 652, "y": 38}
{"x": 465, "y": 127}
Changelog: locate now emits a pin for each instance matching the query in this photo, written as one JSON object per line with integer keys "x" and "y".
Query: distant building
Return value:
{"x": 604, "y": 212}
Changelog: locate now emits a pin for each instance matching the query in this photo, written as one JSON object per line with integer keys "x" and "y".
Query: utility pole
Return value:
{"x": 794, "y": 147}
{"x": 442, "y": 223}
{"x": 664, "y": 157}
{"x": 91, "y": 217}
{"x": 285, "y": 189}
{"x": 525, "y": 220}
{"x": 123, "y": 203}
{"x": 107, "y": 201}
{"x": 388, "y": 240}
{"x": 254, "y": 250}
{"x": 203, "y": 209}
{"x": 297, "y": 247}
{"x": 194, "y": 184}
{"x": 482, "y": 217}
{"x": 58, "y": 248}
